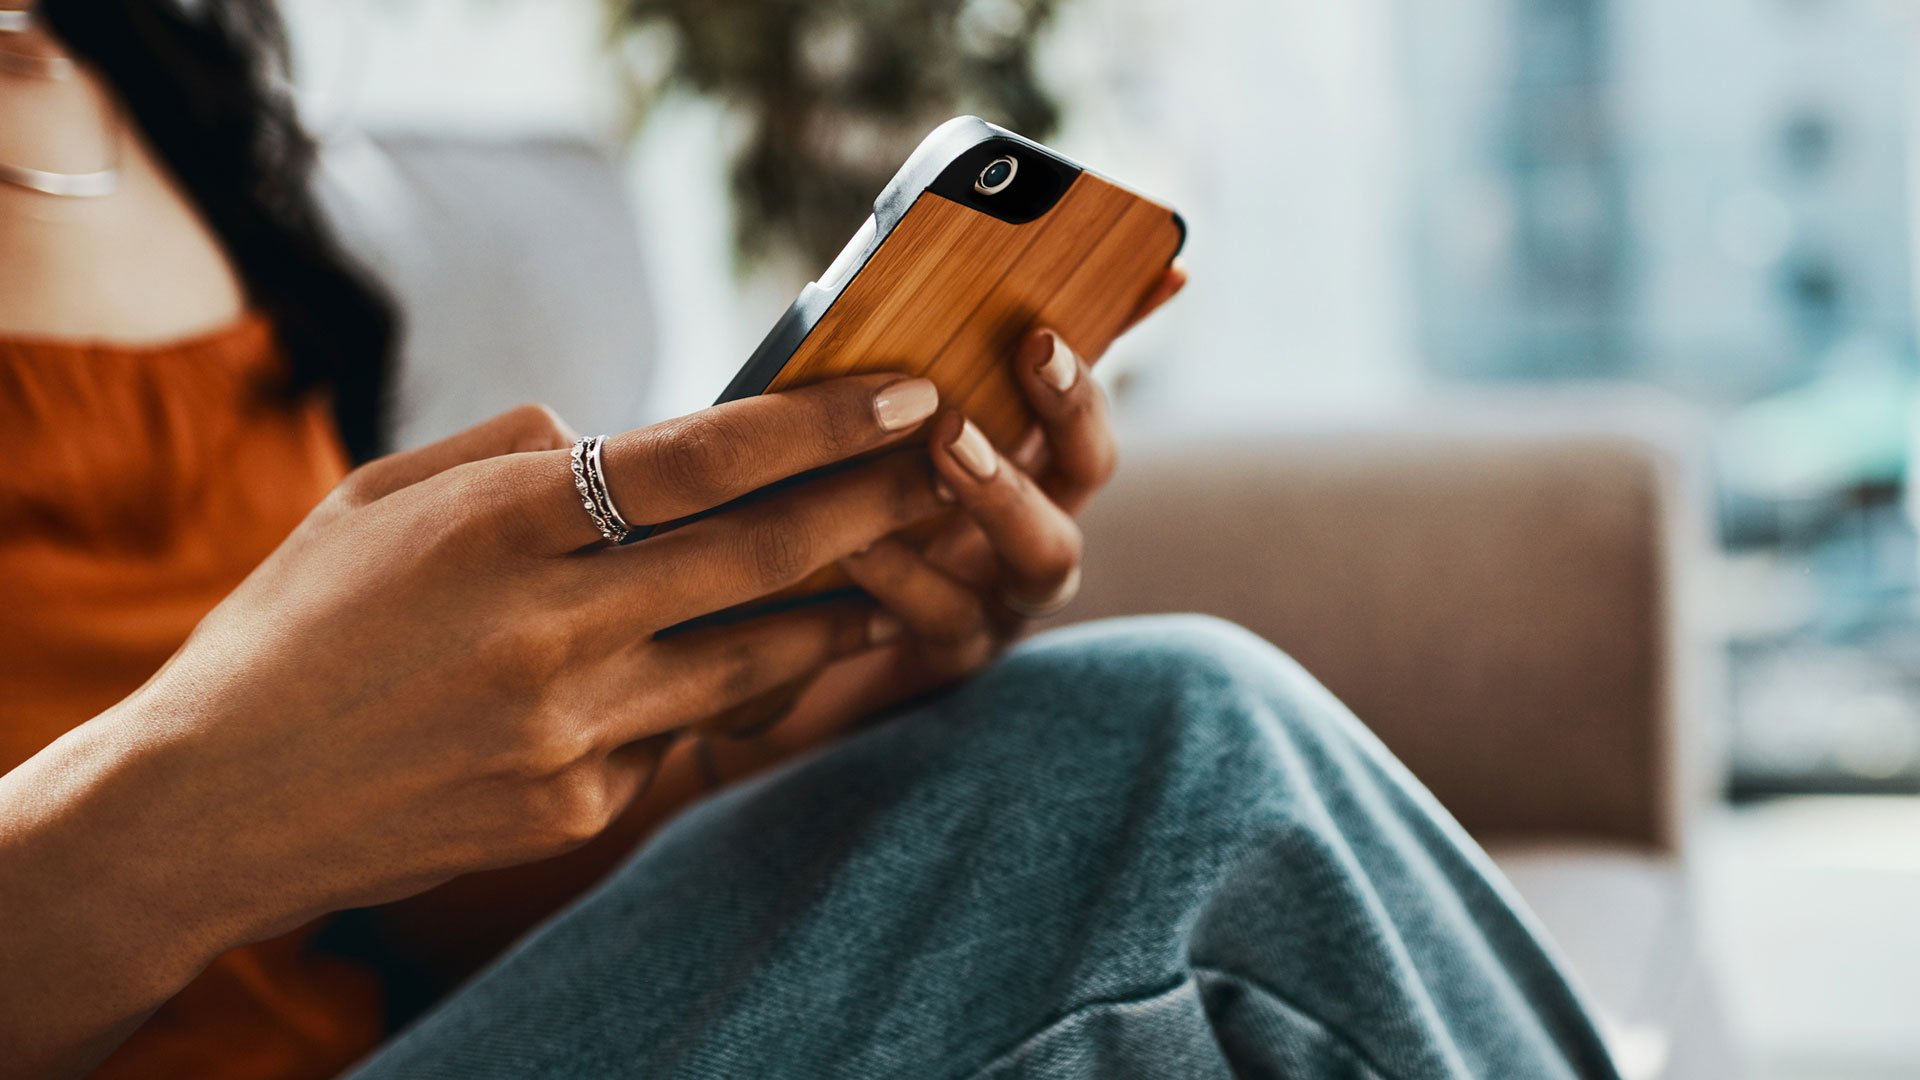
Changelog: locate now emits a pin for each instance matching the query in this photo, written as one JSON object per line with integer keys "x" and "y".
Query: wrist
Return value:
{"x": 106, "y": 904}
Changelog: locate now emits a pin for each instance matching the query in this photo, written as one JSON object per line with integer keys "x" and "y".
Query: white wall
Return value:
{"x": 1275, "y": 126}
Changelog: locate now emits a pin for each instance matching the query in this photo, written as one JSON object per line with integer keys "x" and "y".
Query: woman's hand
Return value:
{"x": 1015, "y": 539}
{"x": 442, "y": 670}
{"x": 1015, "y": 554}
{"x": 1012, "y": 555}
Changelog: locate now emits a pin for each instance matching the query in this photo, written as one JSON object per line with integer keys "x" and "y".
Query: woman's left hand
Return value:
{"x": 1012, "y": 555}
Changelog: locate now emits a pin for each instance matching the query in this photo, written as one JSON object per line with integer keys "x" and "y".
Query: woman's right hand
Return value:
{"x": 444, "y": 670}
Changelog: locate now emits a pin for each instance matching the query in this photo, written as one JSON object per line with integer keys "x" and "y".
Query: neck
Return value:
{"x": 136, "y": 265}
{"x": 58, "y": 129}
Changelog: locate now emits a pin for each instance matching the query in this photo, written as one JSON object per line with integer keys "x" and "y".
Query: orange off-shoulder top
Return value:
{"x": 137, "y": 487}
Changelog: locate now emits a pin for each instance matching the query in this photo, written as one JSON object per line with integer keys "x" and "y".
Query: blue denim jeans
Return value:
{"x": 1152, "y": 848}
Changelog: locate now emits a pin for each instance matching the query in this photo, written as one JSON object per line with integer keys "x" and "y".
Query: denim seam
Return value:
{"x": 1335, "y": 1037}
{"x": 1067, "y": 1015}
{"x": 1347, "y": 1044}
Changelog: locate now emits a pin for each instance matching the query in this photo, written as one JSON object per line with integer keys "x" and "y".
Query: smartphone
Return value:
{"x": 979, "y": 238}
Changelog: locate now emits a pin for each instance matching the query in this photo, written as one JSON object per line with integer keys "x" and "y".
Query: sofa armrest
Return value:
{"x": 1497, "y": 609}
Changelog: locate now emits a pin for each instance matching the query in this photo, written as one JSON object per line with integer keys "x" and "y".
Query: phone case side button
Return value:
{"x": 850, "y": 257}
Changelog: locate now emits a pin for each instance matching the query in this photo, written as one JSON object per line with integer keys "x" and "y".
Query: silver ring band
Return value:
{"x": 590, "y": 480}
{"x": 606, "y": 493}
{"x": 1052, "y": 605}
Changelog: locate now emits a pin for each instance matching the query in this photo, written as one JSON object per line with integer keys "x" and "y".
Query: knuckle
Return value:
{"x": 447, "y": 524}
{"x": 911, "y": 493}
{"x": 779, "y": 548}
{"x": 1006, "y": 490}
{"x": 1068, "y": 548}
{"x": 697, "y": 454}
{"x": 506, "y": 499}
{"x": 538, "y": 427}
{"x": 1049, "y": 569}
{"x": 571, "y": 808}
{"x": 963, "y": 655}
{"x": 851, "y": 631}
{"x": 358, "y": 488}
{"x": 1096, "y": 453}
{"x": 523, "y": 662}
{"x": 537, "y": 741}
{"x": 894, "y": 572}
{"x": 1085, "y": 406}
{"x": 543, "y": 753}
{"x": 844, "y": 423}
{"x": 1103, "y": 460}
{"x": 977, "y": 653}
{"x": 739, "y": 672}
{"x": 962, "y": 629}
{"x": 466, "y": 492}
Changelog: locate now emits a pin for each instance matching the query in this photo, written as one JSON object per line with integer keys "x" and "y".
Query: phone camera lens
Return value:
{"x": 996, "y": 176}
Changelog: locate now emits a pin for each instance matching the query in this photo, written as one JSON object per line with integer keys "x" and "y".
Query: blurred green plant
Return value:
{"x": 831, "y": 95}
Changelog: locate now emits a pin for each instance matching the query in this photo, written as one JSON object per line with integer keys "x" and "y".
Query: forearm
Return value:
{"x": 94, "y": 934}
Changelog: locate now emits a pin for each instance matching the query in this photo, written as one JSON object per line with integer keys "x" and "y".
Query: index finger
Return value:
{"x": 693, "y": 463}
{"x": 1165, "y": 289}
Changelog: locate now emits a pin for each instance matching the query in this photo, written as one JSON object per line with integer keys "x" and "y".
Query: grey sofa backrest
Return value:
{"x": 518, "y": 269}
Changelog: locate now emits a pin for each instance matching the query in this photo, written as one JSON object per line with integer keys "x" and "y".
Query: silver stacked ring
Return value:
{"x": 590, "y": 480}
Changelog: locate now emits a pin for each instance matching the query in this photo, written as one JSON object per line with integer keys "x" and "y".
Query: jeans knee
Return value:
{"x": 1189, "y": 654}
{"x": 1152, "y": 683}
{"x": 1163, "y": 739}
{"x": 1188, "y": 646}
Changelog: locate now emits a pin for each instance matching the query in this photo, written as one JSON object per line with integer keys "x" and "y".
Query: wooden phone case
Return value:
{"x": 952, "y": 292}
{"x": 943, "y": 289}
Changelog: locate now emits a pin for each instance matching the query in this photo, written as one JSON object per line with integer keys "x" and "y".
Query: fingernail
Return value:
{"x": 975, "y": 454}
{"x": 1060, "y": 367}
{"x": 905, "y": 403}
{"x": 882, "y": 628}
{"x": 941, "y": 491}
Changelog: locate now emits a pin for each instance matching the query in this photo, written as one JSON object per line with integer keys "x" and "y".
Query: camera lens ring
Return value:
{"x": 997, "y": 174}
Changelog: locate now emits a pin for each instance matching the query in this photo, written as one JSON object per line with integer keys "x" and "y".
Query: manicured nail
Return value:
{"x": 974, "y": 452}
{"x": 882, "y": 628}
{"x": 905, "y": 403}
{"x": 1060, "y": 367}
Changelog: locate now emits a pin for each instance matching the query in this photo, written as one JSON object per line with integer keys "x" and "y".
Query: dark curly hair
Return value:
{"x": 207, "y": 84}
